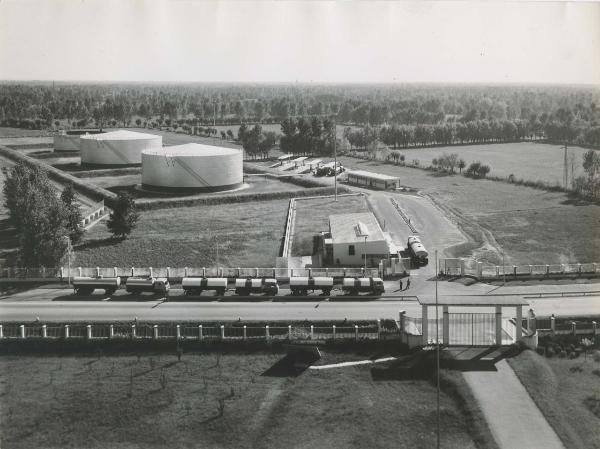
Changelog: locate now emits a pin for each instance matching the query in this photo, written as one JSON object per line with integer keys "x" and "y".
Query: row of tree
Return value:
{"x": 255, "y": 141}
{"x": 308, "y": 136}
{"x": 43, "y": 103}
{"x": 46, "y": 224}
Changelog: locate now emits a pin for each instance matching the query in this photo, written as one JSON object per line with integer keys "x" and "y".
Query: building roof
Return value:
{"x": 345, "y": 228}
{"x": 284, "y": 157}
{"x": 371, "y": 175}
{"x": 192, "y": 149}
{"x": 120, "y": 134}
{"x": 299, "y": 159}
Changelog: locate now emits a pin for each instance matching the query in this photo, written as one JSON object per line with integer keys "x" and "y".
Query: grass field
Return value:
{"x": 526, "y": 160}
{"x": 312, "y": 217}
{"x": 563, "y": 390}
{"x": 530, "y": 225}
{"x": 19, "y": 132}
{"x": 248, "y": 235}
{"x": 174, "y": 138}
{"x": 216, "y": 401}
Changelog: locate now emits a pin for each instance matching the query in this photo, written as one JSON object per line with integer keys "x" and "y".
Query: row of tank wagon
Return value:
{"x": 243, "y": 286}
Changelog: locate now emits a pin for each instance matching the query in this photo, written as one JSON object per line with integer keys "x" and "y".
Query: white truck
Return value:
{"x": 353, "y": 286}
{"x": 149, "y": 284}
{"x": 417, "y": 250}
{"x": 196, "y": 285}
{"x": 86, "y": 285}
{"x": 300, "y": 285}
{"x": 267, "y": 286}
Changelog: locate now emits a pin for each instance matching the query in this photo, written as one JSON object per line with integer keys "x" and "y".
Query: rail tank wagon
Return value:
{"x": 192, "y": 167}
{"x": 117, "y": 147}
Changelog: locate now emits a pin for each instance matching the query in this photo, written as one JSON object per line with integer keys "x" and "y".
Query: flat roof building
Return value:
{"x": 353, "y": 236}
{"x": 372, "y": 180}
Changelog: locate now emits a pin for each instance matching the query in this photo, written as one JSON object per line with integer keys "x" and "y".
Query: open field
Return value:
{"x": 20, "y": 132}
{"x": 529, "y": 225}
{"x": 175, "y": 138}
{"x": 312, "y": 217}
{"x": 217, "y": 401}
{"x": 565, "y": 391}
{"x": 248, "y": 235}
{"x": 525, "y": 160}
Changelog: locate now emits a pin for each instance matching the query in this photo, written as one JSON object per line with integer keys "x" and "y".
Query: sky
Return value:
{"x": 249, "y": 41}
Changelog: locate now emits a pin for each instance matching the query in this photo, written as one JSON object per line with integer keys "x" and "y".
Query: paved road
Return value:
{"x": 317, "y": 309}
{"x": 513, "y": 417}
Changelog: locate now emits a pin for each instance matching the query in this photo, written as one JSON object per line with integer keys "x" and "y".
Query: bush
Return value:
{"x": 562, "y": 354}
{"x": 540, "y": 350}
{"x": 573, "y": 355}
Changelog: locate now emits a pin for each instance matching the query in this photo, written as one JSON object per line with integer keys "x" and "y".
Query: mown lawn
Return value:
{"x": 18, "y": 132}
{"x": 565, "y": 391}
{"x": 156, "y": 401}
{"x": 248, "y": 235}
{"x": 530, "y": 225}
{"x": 312, "y": 217}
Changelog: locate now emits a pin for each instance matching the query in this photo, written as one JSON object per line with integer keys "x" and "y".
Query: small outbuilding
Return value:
{"x": 372, "y": 180}
{"x": 351, "y": 236}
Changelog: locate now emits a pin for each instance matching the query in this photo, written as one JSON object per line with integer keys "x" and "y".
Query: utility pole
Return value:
{"x": 503, "y": 270}
{"x": 437, "y": 346}
{"x": 335, "y": 166}
{"x": 565, "y": 167}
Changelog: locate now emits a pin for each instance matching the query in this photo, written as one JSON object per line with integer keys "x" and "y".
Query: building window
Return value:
{"x": 351, "y": 250}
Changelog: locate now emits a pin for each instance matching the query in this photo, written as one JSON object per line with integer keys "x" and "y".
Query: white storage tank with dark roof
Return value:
{"x": 117, "y": 147}
{"x": 192, "y": 167}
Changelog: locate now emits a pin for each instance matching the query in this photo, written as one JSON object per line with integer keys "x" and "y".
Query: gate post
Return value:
{"x": 446, "y": 326}
{"x": 499, "y": 325}
{"x": 519, "y": 322}
{"x": 424, "y": 326}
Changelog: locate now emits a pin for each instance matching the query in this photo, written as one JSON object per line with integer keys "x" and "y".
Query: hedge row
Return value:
{"x": 108, "y": 172}
{"x": 94, "y": 192}
{"x": 229, "y": 199}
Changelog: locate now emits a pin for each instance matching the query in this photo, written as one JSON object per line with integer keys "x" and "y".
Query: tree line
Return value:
{"x": 560, "y": 113}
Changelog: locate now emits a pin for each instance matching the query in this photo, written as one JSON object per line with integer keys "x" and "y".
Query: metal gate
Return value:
{"x": 472, "y": 329}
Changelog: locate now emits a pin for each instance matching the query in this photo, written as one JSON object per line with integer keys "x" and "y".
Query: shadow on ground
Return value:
{"x": 291, "y": 365}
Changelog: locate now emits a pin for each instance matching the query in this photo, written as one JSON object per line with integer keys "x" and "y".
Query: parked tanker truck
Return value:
{"x": 196, "y": 285}
{"x": 301, "y": 285}
{"x": 87, "y": 285}
{"x": 266, "y": 286}
{"x": 353, "y": 286}
{"x": 149, "y": 284}
{"x": 417, "y": 250}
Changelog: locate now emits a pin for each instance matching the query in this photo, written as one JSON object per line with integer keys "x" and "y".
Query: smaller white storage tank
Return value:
{"x": 192, "y": 167}
{"x": 119, "y": 147}
{"x": 68, "y": 141}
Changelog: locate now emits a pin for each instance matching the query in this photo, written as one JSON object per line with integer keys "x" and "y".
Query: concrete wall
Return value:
{"x": 378, "y": 249}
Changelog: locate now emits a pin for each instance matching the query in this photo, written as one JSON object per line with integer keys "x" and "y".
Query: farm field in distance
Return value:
{"x": 312, "y": 217}
{"x": 567, "y": 392}
{"x": 156, "y": 400}
{"x": 248, "y": 235}
{"x": 525, "y": 160}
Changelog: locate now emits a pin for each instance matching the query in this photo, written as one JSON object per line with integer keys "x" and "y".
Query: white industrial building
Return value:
{"x": 372, "y": 180}
{"x": 351, "y": 236}
{"x": 192, "y": 166}
{"x": 68, "y": 141}
{"x": 119, "y": 147}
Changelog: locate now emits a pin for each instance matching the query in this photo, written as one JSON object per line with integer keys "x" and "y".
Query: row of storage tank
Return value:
{"x": 189, "y": 166}
{"x": 193, "y": 286}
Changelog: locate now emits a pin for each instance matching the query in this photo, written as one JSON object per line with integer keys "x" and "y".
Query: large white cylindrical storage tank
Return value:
{"x": 117, "y": 147}
{"x": 192, "y": 167}
{"x": 68, "y": 141}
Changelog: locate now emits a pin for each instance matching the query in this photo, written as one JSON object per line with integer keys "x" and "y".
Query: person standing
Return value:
{"x": 400, "y": 284}
{"x": 407, "y": 283}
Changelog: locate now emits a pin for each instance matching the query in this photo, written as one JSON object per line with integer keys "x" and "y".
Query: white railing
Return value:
{"x": 281, "y": 331}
